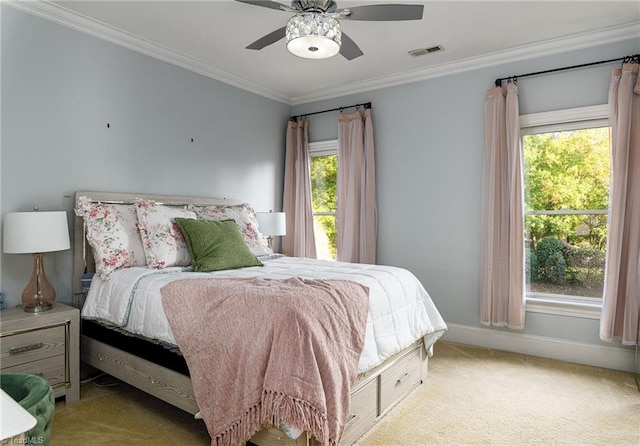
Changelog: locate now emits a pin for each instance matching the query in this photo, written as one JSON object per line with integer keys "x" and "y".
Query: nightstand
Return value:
{"x": 45, "y": 344}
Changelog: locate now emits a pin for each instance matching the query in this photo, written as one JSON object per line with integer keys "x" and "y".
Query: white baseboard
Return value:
{"x": 610, "y": 357}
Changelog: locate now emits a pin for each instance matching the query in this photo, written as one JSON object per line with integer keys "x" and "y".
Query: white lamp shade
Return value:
{"x": 35, "y": 232}
{"x": 15, "y": 419}
{"x": 272, "y": 223}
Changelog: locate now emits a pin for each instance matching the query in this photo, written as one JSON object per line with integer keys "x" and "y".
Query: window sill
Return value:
{"x": 550, "y": 304}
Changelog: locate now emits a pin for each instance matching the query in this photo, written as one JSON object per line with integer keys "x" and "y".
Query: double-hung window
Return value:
{"x": 324, "y": 176}
{"x": 566, "y": 158}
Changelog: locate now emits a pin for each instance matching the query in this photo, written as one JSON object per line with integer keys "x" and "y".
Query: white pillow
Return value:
{"x": 245, "y": 218}
{"x": 112, "y": 232}
{"x": 162, "y": 240}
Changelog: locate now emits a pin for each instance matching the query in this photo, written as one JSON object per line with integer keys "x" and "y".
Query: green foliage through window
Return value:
{"x": 324, "y": 176}
{"x": 566, "y": 171}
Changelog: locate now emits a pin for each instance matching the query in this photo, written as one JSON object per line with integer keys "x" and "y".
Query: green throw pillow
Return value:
{"x": 216, "y": 245}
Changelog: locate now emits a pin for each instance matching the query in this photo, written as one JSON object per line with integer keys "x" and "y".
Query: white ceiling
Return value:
{"x": 210, "y": 37}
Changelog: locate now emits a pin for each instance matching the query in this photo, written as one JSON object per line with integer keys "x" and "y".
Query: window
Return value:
{"x": 566, "y": 158}
{"x": 324, "y": 176}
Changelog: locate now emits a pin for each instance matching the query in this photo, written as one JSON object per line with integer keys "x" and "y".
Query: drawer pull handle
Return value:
{"x": 25, "y": 348}
{"x": 403, "y": 378}
{"x": 352, "y": 418}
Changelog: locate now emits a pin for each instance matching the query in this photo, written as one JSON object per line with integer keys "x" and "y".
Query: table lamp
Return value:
{"x": 272, "y": 224}
{"x": 35, "y": 233}
{"x": 15, "y": 421}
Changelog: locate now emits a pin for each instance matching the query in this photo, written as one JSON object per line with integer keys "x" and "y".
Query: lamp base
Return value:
{"x": 38, "y": 308}
{"x": 38, "y": 295}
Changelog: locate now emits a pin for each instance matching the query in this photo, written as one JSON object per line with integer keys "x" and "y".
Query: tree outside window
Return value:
{"x": 324, "y": 175}
{"x": 566, "y": 201}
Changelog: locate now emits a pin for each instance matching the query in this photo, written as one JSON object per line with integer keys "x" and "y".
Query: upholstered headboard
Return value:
{"x": 82, "y": 255}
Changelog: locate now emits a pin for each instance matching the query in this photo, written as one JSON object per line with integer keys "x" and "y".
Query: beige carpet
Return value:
{"x": 473, "y": 396}
{"x": 123, "y": 415}
{"x": 476, "y": 396}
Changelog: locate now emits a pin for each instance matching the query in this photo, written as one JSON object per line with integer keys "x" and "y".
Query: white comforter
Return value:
{"x": 401, "y": 311}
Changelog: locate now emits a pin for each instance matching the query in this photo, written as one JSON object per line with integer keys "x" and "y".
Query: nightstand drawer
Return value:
{"x": 46, "y": 344}
{"x": 32, "y": 345}
{"x": 52, "y": 369}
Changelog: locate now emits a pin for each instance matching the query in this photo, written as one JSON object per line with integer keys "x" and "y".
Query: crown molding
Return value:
{"x": 78, "y": 22}
{"x": 65, "y": 17}
{"x": 524, "y": 52}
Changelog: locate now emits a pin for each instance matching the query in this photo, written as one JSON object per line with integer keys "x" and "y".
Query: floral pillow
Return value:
{"x": 245, "y": 218}
{"x": 162, "y": 240}
{"x": 112, "y": 232}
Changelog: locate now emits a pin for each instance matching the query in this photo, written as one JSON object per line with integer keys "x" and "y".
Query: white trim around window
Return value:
{"x": 560, "y": 120}
{"x": 545, "y": 303}
{"x": 564, "y": 116}
{"x": 322, "y": 148}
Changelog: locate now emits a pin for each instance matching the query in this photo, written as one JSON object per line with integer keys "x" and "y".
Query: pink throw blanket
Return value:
{"x": 263, "y": 351}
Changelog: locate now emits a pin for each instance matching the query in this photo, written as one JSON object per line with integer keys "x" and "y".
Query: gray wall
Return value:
{"x": 429, "y": 140}
{"x": 61, "y": 87}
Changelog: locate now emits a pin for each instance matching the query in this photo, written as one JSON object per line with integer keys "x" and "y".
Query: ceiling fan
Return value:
{"x": 314, "y": 31}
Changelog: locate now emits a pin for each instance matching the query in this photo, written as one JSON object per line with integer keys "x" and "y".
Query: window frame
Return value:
{"x": 563, "y": 120}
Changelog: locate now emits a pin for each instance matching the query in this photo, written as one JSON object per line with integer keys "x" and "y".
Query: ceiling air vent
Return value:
{"x": 423, "y": 51}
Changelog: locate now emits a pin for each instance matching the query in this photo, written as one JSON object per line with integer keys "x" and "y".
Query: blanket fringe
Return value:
{"x": 240, "y": 431}
{"x": 274, "y": 409}
{"x": 278, "y": 407}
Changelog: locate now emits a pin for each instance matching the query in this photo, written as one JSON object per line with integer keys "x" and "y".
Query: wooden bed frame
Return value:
{"x": 374, "y": 393}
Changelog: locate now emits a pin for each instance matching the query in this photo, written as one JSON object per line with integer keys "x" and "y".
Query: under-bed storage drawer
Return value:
{"x": 397, "y": 381}
{"x": 362, "y": 413}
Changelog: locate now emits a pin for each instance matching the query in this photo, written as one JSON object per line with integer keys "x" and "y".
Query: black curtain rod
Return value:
{"x": 364, "y": 104}
{"x": 625, "y": 59}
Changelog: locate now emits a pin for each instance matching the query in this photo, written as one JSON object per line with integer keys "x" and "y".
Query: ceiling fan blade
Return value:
{"x": 264, "y": 3}
{"x": 267, "y": 40}
{"x": 349, "y": 49}
{"x": 386, "y": 13}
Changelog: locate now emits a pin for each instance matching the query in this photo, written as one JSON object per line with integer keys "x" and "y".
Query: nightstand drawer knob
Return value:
{"x": 25, "y": 348}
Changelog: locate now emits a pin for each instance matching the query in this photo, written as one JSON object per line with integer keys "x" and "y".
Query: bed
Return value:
{"x": 125, "y": 331}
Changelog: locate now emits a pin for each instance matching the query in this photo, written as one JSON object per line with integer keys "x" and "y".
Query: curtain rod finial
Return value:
{"x": 498, "y": 82}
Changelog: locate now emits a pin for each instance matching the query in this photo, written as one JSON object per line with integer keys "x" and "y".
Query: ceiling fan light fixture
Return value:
{"x": 313, "y": 36}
